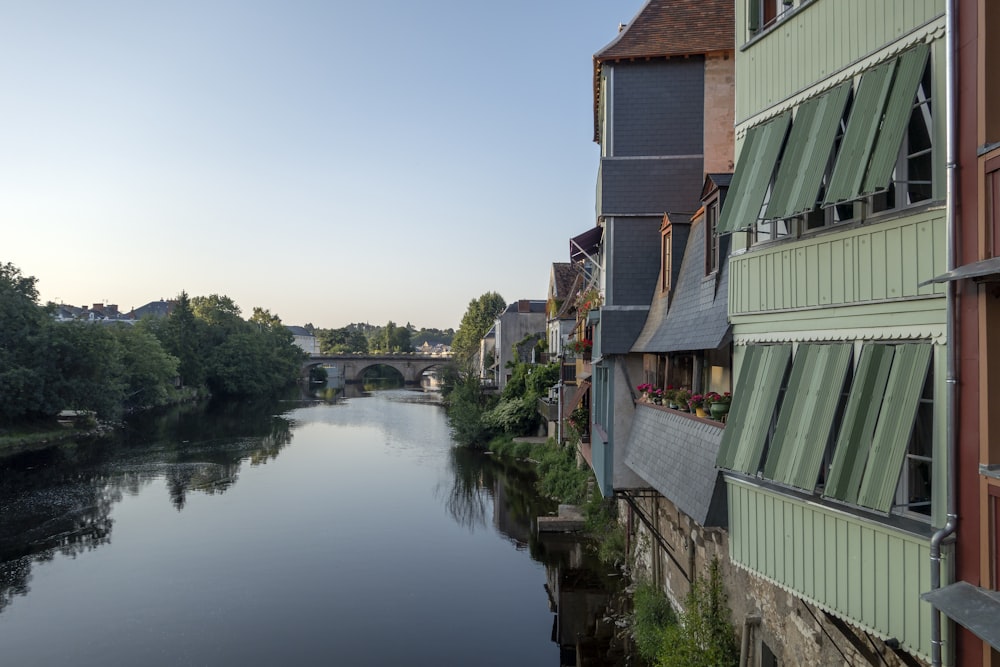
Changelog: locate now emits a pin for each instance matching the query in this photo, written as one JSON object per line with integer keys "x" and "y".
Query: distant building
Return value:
{"x": 305, "y": 340}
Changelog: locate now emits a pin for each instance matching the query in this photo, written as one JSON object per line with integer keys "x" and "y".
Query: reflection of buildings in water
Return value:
{"x": 581, "y": 598}
{"x": 517, "y": 529}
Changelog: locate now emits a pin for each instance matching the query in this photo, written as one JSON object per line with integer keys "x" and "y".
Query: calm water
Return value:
{"x": 295, "y": 534}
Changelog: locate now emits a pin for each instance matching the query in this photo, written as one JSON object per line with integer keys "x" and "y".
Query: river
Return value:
{"x": 292, "y": 533}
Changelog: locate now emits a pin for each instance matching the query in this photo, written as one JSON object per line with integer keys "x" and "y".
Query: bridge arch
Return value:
{"x": 350, "y": 367}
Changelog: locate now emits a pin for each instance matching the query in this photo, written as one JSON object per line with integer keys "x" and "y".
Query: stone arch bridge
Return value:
{"x": 351, "y": 366}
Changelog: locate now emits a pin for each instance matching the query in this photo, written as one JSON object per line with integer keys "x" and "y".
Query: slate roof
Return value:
{"x": 675, "y": 454}
{"x": 534, "y": 306}
{"x": 563, "y": 275}
{"x": 664, "y": 28}
{"x": 298, "y": 331}
{"x": 159, "y": 308}
{"x": 696, "y": 317}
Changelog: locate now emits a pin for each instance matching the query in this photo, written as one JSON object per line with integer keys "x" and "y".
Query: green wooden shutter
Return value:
{"x": 898, "y": 109}
{"x": 862, "y": 126}
{"x": 753, "y": 174}
{"x": 807, "y": 153}
{"x": 895, "y": 425}
{"x": 807, "y": 413}
{"x": 858, "y": 426}
{"x": 753, "y": 406}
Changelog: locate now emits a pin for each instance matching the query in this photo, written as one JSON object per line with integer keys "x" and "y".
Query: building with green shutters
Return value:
{"x": 834, "y": 451}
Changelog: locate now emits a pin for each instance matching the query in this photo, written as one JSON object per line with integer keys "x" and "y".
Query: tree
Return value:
{"x": 478, "y": 318}
{"x": 183, "y": 335}
{"x": 22, "y": 346}
{"x": 148, "y": 369}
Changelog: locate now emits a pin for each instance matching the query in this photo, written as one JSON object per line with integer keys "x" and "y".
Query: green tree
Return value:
{"x": 478, "y": 318}
{"x": 22, "y": 347}
{"x": 184, "y": 336}
{"x": 148, "y": 370}
{"x": 86, "y": 371}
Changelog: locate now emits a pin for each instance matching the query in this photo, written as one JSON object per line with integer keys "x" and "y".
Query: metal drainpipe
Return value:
{"x": 950, "y": 438}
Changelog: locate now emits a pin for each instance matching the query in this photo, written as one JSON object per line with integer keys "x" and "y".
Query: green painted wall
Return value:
{"x": 818, "y": 39}
{"x": 866, "y": 572}
{"x": 863, "y": 264}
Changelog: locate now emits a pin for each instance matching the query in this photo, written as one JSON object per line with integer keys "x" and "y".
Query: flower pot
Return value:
{"x": 700, "y": 411}
{"x": 719, "y": 410}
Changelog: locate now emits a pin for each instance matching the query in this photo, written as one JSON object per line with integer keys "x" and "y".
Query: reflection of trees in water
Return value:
{"x": 58, "y": 501}
{"x": 482, "y": 484}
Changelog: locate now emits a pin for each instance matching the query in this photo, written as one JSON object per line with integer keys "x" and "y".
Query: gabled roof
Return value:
{"x": 563, "y": 274}
{"x": 665, "y": 28}
{"x": 714, "y": 182}
{"x": 298, "y": 331}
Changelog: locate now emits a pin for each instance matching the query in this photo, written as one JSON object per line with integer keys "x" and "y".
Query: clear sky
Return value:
{"x": 333, "y": 162}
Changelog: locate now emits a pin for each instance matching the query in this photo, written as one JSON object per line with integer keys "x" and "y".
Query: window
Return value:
{"x": 712, "y": 237}
{"x": 763, "y": 14}
{"x": 665, "y": 257}
{"x": 914, "y": 492}
{"x": 913, "y": 173}
{"x": 864, "y": 439}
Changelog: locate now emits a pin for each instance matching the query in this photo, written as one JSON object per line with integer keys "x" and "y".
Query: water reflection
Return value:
{"x": 58, "y": 500}
{"x": 372, "y": 541}
{"x": 585, "y": 595}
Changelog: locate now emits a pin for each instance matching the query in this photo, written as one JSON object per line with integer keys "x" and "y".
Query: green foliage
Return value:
{"x": 602, "y": 521}
{"x": 392, "y": 339}
{"x": 703, "y": 635}
{"x": 87, "y": 371}
{"x": 348, "y": 340}
{"x": 318, "y": 374}
{"x": 478, "y": 318}
{"x": 22, "y": 347}
{"x": 514, "y": 416}
{"x": 466, "y": 403}
{"x": 560, "y": 476}
{"x": 148, "y": 371}
{"x": 652, "y": 615}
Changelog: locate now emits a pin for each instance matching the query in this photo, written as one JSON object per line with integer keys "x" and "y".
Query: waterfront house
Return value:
{"x": 660, "y": 116}
{"x": 834, "y": 454}
{"x": 522, "y": 319}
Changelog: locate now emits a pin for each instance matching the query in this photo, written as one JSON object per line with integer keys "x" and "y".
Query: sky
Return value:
{"x": 333, "y": 162}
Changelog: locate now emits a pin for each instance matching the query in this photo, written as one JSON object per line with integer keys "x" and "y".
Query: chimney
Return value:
{"x": 524, "y": 306}
{"x": 98, "y": 307}
{"x": 112, "y": 309}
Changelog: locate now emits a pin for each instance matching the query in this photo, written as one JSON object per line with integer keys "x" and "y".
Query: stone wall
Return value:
{"x": 790, "y": 629}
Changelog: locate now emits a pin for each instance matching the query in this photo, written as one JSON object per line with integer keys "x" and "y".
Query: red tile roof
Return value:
{"x": 665, "y": 28}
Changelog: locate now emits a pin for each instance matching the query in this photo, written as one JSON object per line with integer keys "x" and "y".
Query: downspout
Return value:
{"x": 951, "y": 474}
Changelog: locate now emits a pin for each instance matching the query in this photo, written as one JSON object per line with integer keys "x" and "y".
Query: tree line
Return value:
{"x": 370, "y": 339}
{"x": 203, "y": 345}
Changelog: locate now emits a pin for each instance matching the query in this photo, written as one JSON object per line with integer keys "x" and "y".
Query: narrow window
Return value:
{"x": 712, "y": 238}
{"x": 665, "y": 263}
{"x": 912, "y": 179}
{"x": 914, "y": 491}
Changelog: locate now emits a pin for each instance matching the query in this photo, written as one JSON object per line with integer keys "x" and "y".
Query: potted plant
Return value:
{"x": 681, "y": 398}
{"x": 719, "y": 407}
{"x": 657, "y": 396}
{"x": 696, "y": 404}
{"x": 644, "y": 389}
{"x": 670, "y": 397}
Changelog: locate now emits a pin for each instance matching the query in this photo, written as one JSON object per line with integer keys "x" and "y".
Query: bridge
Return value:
{"x": 350, "y": 367}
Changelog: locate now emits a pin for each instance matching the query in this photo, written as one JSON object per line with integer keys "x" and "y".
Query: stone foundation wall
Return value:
{"x": 792, "y": 630}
